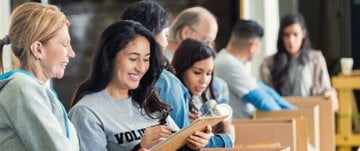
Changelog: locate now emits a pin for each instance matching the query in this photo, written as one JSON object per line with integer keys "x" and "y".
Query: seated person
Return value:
{"x": 246, "y": 92}
{"x": 194, "y": 65}
{"x": 296, "y": 69}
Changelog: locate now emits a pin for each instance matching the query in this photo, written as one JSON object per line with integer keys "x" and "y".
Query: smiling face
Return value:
{"x": 56, "y": 54}
{"x": 131, "y": 64}
{"x": 198, "y": 76}
{"x": 293, "y": 38}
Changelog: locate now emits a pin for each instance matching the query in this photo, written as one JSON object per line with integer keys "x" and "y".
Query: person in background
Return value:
{"x": 32, "y": 117}
{"x": 246, "y": 92}
{"x": 200, "y": 24}
{"x": 296, "y": 69}
{"x": 194, "y": 65}
{"x": 155, "y": 19}
{"x": 116, "y": 107}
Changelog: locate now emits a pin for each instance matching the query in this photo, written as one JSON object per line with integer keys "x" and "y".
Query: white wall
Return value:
{"x": 266, "y": 13}
{"x": 4, "y": 27}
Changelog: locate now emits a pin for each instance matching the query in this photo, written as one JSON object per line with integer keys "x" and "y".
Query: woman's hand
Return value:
{"x": 332, "y": 96}
{"x": 199, "y": 139}
{"x": 154, "y": 135}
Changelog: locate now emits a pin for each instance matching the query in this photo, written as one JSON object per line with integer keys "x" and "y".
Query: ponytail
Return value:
{"x": 3, "y": 42}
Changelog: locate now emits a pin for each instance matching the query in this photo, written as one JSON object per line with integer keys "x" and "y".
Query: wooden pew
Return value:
{"x": 286, "y": 131}
{"x": 327, "y": 119}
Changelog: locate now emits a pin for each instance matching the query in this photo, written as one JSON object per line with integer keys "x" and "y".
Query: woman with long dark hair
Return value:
{"x": 194, "y": 65}
{"x": 155, "y": 19}
{"x": 116, "y": 107}
{"x": 296, "y": 69}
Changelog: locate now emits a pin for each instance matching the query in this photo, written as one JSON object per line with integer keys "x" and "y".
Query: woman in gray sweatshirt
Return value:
{"x": 31, "y": 115}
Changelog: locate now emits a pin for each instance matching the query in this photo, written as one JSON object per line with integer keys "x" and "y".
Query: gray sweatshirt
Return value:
{"x": 105, "y": 123}
{"x": 32, "y": 118}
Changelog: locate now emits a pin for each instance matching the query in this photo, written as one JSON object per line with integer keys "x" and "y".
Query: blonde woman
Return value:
{"x": 31, "y": 115}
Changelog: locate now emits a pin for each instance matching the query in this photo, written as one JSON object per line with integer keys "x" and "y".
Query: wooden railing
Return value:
{"x": 348, "y": 114}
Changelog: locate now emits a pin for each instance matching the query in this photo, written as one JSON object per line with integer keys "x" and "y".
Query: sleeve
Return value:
{"x": 220, "y": 140}
{"x": 278, "y": 99}
{"x": 221, "y": 89}
{"x": 29, "y": 112}
{"x": 321, "y": 76}
{"x": 264, "y": 72}
{"x": 90, "y": 132}
{"x": 262, "y": 100}
{"x": 174, "y": 93}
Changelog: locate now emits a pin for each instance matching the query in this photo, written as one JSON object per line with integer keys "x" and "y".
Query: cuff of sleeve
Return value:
{"x": 224, "y": 140}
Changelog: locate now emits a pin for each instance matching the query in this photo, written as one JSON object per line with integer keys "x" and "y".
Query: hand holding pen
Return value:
{"x": 154, "y": 135}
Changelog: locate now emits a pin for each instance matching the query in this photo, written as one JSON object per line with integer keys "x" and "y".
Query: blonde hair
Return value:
{"x": 32, "y": 22}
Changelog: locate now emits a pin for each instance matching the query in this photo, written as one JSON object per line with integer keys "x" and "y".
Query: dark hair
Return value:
{"x": 247, "y": 29}
{"x": 152, "y": 16}
{"x": 148, "y": 13}
{"x": 113, "y": 40}
{"x": 280, "y": 68}
{"x": 243, "y": 31}
{"x": 189, "y": 52}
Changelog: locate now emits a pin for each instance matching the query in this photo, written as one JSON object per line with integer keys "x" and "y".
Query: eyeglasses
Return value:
{"x": 204, "y": 37}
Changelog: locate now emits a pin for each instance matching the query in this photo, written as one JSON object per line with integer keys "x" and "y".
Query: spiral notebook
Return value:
{"x": 178, "y": 139}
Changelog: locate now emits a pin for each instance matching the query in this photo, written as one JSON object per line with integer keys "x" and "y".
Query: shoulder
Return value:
{"x": 224, "y": 59}
{"x": 222, "y": 55}
{"x": 168, "y": 79}
{"x": 218, "y": 81}
{"x": 91, "y": 100}
{"x": 313, "y": 54}
{"x": 20, "y": 85}
{"x": 316, "y": 57}
{"x": 22, "y": 81}
{"x": 89, "y": 105}
{"x": 268, "y": 61}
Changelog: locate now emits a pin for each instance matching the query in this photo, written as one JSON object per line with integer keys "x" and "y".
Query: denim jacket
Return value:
{"x": 174, "y": 93}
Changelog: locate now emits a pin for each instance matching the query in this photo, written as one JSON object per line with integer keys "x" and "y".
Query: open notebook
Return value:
{"x": 178, "y": 139}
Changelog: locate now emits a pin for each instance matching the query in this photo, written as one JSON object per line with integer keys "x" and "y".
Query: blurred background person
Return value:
{"x": 200, "y": 24}
{"x": 246, "y": 92}
{"x": 296, "y": 69}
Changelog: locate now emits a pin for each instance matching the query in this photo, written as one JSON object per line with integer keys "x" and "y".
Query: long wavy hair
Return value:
{"x": 280, "y": 68}
{"x": 189, "y": 52}
{"x": 114, "y": 39}
{"x": 154, "y": 17}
